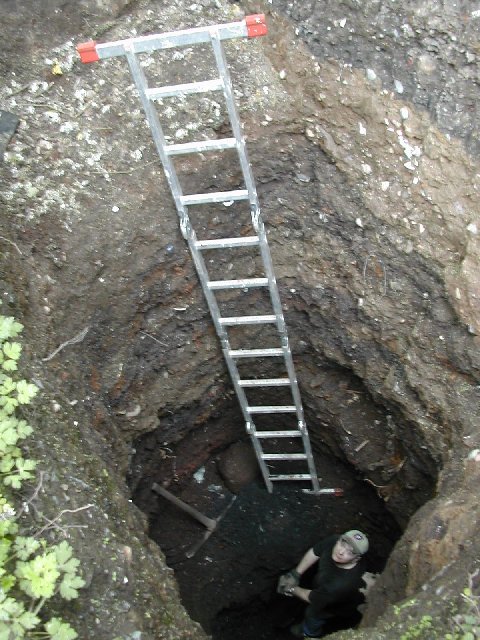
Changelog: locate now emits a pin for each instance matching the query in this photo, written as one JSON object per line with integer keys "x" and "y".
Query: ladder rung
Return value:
{"x": 276, "y": 408}
{"x": 226, "y": 243}
{"x": 264, "y": 382}
{"x": 292, "y": 433}
{"x": 248, "y": 320}
{"x": 246, "y": 283}
{"x": 157, "y": 93}
{"x": 291, "y": 476}
{"x": 200, "y": 146}
{"x": 218, "y": 196}
{"x": 284, "y": 456}
{"x": 255, "y": 353}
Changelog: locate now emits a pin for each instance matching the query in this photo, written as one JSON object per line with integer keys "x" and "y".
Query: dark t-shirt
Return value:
{"x": 335, "y": 591}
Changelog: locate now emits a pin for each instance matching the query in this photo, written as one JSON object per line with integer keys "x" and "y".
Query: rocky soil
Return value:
{"x": 361, "y": 124}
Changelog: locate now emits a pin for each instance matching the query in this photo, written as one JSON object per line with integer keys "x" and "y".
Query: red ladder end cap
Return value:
{"x": 88, "y": 51}
{"x": 256, "y": 25}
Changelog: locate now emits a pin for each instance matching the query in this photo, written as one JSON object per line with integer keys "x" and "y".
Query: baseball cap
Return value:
{"x": 357, "y": 540}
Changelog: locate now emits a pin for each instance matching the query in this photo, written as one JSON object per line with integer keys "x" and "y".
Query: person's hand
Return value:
{"x": 287, "y": 581}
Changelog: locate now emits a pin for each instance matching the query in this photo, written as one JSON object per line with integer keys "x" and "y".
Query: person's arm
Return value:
{"x": 290, "y": 580}
{"x": 306, "y": 562}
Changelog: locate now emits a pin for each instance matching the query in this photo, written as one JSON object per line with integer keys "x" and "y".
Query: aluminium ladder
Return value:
{"x": 261, "y": 437}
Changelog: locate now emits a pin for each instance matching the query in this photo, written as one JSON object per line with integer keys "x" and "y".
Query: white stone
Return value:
{"x": 136, "y": 154}
{"x": 371, "y": 75}
{"x": 366, "y": 168}
{"x": 199, "y": 475}
{"x": 361, "y": 128}
{"x": 384, "y": 185}
{"x": 359, "y": 222}
{"x": 398, "y": 86}
{"x": 404, "y": 113}
{"x": 472, "y": 227}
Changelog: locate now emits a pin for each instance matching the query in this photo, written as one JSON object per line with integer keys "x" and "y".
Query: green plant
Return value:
{"x": 31, "y": 570}
{"x": 467, "y": 624}
{"x": 419, "y": 629}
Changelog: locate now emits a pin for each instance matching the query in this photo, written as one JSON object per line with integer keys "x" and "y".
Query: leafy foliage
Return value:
{"x": 418, "y": 630}
{"x": 31, "y": 570}
{"x": 467, "y": 624}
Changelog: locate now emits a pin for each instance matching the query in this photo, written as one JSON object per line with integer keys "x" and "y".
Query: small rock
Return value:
{"x": 301, "y": 177}
{"x": 238, "y": 466}
{"x": 472, "y": 227}
{"x": 199, "y": 475}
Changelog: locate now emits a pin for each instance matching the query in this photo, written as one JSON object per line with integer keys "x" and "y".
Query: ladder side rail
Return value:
{"x": 264, "y": 249}
{"x": 159, "y": 139}
{"x": 277, "y": 308}
{"x": 259, "y": 453}
{"x": 269, "y": 272}
{"x": 233, "y": 114}
{"x": 235, "y": 377}
{"x": 310, "y": 461}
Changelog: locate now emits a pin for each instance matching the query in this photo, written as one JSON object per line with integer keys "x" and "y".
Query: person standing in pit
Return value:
{"x": 336, "y": 584}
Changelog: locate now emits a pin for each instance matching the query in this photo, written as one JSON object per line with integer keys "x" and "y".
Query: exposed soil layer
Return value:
{"x": 427, "y": 52}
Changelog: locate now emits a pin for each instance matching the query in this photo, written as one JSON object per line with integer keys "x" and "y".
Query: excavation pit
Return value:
{"x": 227, "y": 581}
{"x": 366, "y": 165}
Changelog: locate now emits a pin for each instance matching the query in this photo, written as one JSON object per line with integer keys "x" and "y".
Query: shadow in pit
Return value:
{"x": 270, "y": 621}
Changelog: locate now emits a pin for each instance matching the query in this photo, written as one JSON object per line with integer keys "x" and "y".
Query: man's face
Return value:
{"x": 342, "y": 552}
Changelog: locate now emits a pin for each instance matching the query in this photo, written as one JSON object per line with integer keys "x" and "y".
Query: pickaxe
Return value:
{"x": 209, "y": 523}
